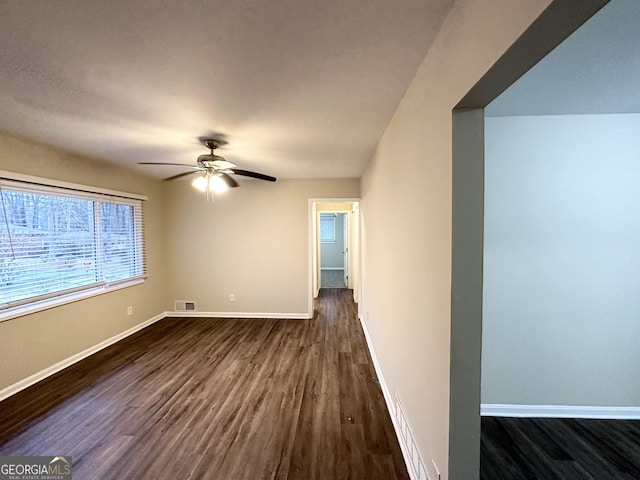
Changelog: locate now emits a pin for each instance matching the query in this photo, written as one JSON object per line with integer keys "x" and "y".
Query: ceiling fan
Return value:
{"x": 214, "y": 172}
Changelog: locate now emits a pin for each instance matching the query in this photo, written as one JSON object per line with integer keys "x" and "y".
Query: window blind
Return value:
{"x": 55, "y": 241}
{"x": 327, "y": 228}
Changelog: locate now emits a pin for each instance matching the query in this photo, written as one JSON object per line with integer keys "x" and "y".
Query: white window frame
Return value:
{"x": 53, "y": 187}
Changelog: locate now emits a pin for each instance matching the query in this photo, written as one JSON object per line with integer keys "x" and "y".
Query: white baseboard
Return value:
{"x": 283, "y": 316}
{"x": 383, "y": 385}
{"x": 55, "y": 368}
{"x": 559, "y": 411}
{"x": 389, "y": 401}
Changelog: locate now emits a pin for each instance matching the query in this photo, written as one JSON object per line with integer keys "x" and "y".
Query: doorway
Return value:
{"x": 555, "y": 24}
{"x": 334, "y": 252}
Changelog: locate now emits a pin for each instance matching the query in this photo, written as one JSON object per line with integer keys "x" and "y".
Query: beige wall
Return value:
{"x": 406, "y": 211}
{"x": 253, "y": 242}
{"x": 34, "y": 342}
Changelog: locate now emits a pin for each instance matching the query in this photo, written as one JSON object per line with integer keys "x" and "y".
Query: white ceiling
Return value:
{"x": 595, "y": 70}
{"x": 297, "y": 88}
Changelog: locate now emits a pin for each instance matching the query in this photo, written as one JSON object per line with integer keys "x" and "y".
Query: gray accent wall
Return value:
{"x": 562, "y": 261}
{"x": 466, "y": 293}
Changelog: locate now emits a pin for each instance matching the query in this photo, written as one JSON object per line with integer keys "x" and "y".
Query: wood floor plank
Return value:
{"x": 552, "y": 448}
{"x": 217, "y": 398}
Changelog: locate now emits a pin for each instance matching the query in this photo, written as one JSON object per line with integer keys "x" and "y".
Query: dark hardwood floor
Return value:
{"x": 559, "y": 449}
{"x": 217, "y": 399}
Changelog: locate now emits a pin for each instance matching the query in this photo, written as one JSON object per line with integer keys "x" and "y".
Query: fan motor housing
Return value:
{"x": 208, "y": 158}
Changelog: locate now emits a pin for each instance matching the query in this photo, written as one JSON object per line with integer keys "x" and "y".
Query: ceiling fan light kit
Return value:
{"x": 214, "y": 171}
{"x": 210, "y": 184}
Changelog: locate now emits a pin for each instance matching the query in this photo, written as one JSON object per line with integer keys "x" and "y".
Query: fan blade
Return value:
{"x": 247, "y": 173}
{"x": 180, "y": 175}
{"x": 163, "y": 163}
{"x": 231, "y": 183}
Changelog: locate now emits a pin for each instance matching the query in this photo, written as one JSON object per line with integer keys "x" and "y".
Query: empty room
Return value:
{"x": 560, "y": 306}
{"x": 176, "y": 179}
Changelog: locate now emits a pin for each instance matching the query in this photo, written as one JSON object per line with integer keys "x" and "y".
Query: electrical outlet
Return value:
{"x": 129, "y": 310}
{"x": 232, "y": 297}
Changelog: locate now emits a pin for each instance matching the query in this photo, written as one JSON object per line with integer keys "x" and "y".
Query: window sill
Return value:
{"x": 41, "y": 305}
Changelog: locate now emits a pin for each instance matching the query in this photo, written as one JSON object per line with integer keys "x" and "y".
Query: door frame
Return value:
{"x": 353, "y": 244}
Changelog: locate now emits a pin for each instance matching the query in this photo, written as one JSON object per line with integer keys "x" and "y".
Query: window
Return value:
{"x": 327, "y": 228}
{"x": 57, "y": 241}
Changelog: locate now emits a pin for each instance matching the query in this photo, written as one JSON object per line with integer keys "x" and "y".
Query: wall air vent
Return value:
{"x": 185, "y": 306}
{"x": 417, "y": 470}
